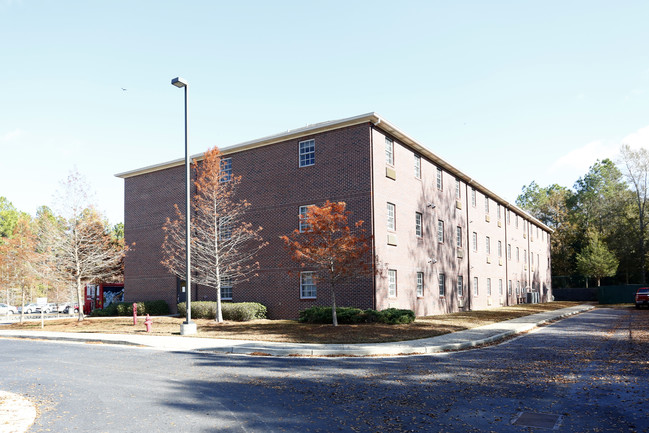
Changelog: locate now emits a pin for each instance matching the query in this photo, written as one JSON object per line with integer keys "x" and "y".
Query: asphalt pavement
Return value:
{"x": 17, "y": 414}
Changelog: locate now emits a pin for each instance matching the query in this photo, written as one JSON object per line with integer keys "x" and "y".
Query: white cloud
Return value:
{"x": 579, "y": 160}
{"x": 638, "y": 139}
{"x": 10, "y": 136}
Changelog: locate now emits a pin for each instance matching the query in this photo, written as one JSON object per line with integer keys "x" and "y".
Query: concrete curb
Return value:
{"x": 461, "y": 340}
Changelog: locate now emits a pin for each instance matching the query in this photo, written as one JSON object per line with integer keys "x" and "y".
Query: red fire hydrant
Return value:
{"x": 148, "y": 322}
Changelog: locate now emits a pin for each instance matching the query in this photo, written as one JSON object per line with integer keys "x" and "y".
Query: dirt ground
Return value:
{"x": 291, "y": 331}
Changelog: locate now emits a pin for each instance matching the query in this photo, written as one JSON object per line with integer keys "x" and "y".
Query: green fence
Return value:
{"x": 617, "y": 294}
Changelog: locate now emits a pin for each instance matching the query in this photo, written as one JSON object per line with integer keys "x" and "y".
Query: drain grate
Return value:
{"x": 538, "y": 420}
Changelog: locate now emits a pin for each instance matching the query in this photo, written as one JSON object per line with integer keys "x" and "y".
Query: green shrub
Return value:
{"x": 154, "y": 308}
{"x": 350, "y": 315}
{"x": 394, "y": 316}
{"x": 316, "y": 314}
{"x": 243, "y": 311}
{"x": 239, "y": 312}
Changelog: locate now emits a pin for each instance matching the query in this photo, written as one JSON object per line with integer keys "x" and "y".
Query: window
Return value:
{"x": 486, "y": 204}
{"x": 389, "y": 151}
{"x": 418, "y": 227}
{"x": 475, "y": 241}
{"x": 225, "y": 228}
{"x": 303, "y": 223}
{"x": 509, "y": 217}
{"x": 307, "y": 153}
{"x": 442, "y": 287}
{"x": 499, "y": 212}
{"x": 518, "y": 259}
{"x": 518, "y": 288}
{"x": 226, "y": 170}
{"x": 458, "y": 237}
{"x": 392, "y": 283}
{"x": 538, "y": 261}
{"x": 308, "y": 288}
{"x": 440, "y": 185}
{"x": 509, "y": 251}
{"x": 525, "y": 255}
{"x": 488, "y": 245}
{"x": 500, "y": 249}
{"x": 420, "y": 284}
{"x": 509, "y": 287}
{"x": 392, "y": 222}
{"x": 531, "y": 258}
{"x": 460, "y": 286}
{"x": 458, "y": 189}
{"x": 475, "y": 286}
{"x": 473, "y": 197}
{"x": 226, "y": 288}
{"x": 500, "y": 287}
{"x": 417, "y": 166}
{"x": 440, "y": 231}
{"x": 516, "y": 221}
{"x": 488, "y": 286}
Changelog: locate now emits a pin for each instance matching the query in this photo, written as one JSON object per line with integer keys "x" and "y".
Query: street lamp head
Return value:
{"x": 179, "y": 82}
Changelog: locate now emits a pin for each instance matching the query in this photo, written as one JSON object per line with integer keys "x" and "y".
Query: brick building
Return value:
{"x": 442, "y": 241}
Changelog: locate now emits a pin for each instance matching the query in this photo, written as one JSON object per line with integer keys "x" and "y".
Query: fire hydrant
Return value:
{"x": 148, "y": 322}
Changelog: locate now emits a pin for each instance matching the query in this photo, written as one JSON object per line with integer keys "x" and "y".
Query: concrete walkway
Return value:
{"x": 454, "y": 341}
{"x": 17, "y": 414}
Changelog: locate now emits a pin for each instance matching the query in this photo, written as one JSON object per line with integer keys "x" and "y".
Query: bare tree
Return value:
{"x": 80, "y": 241}
{"x": 636, "y": 170}
{"x": 224, "y": 245}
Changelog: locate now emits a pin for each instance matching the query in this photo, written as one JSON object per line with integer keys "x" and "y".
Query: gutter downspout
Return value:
{"x": 507, "y": 250}
{"x": 469, "y": 249}
{"x": 372, "y": 215}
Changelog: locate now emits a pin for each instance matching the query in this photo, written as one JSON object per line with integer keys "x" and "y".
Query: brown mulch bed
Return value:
{"x": 291, "y": 331}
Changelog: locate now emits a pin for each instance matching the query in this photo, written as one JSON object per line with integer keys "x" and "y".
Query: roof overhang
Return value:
{"x": 317, "y": 128}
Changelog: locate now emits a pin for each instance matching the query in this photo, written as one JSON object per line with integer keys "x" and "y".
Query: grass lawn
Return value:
{"x": 291, "y": 331}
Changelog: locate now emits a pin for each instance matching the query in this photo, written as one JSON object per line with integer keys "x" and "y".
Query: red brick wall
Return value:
{"x": 275, "y": 186}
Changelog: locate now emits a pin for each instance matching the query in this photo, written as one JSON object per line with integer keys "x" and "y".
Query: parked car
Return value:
{"x": 47, "y": 308}
{"x": 642, "y": 297}
{"x": 66, "y": 307}
{"x": 29, "y": 309}
{"x": 8, "y": 309}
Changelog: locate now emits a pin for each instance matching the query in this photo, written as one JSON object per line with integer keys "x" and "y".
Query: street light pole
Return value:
{"x": 187, "y": 327}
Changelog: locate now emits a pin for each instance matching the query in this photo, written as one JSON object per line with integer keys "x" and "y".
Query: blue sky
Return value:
{"x": 509, "y": 92}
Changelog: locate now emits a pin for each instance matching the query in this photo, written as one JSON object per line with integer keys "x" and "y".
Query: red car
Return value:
{"x": 642, "y": 297}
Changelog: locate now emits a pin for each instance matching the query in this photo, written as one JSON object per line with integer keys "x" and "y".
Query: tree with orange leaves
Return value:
{"x": 330, "y": 247}
{"x": 223, "y": 245}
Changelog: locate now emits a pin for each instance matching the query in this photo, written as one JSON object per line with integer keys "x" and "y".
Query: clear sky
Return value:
{"x": 508, "y": 92}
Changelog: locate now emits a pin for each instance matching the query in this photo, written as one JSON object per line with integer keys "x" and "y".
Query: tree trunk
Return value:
{"x": 333, "y": 308}
{"x": 80, "y": 298}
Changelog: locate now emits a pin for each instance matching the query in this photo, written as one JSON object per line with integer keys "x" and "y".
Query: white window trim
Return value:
{"x": 417, "y": 166}
{"x": 222, "y": 178}
{"x": 420, "y": 284}
{"x": 303, "y": 286}
{"x": 391, "y": 219}
{"x": 300, "y": 153}
{"x": 392, "y": 293}
{"x": 303, "y": 226}
{"x": 419, "y": 224}
{"x": 226, "y": 283}
{"x": 389, "y": 151}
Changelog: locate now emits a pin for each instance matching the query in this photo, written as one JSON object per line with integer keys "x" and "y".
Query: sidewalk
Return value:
{"x": 454, "y": 341}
